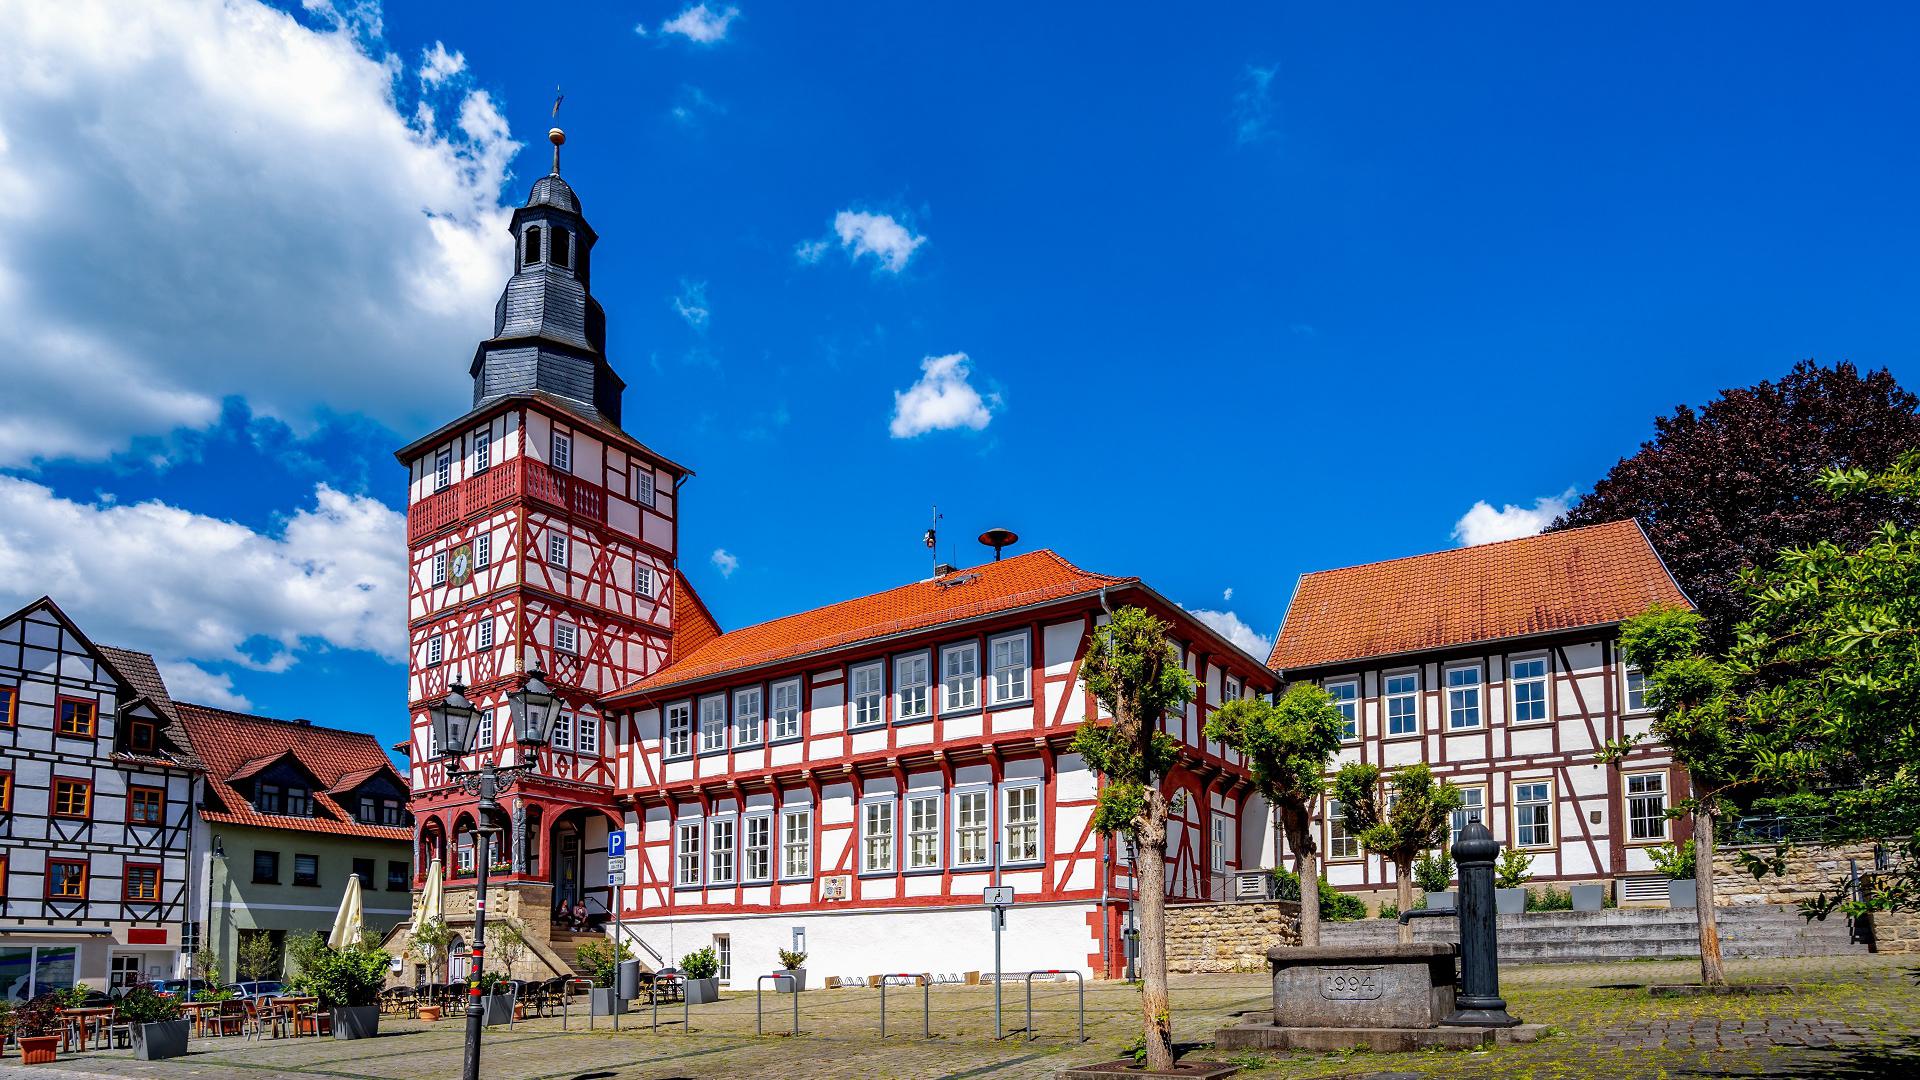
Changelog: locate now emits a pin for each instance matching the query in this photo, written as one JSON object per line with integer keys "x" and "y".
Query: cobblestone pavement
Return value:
{"x": 1848, "y": 1017}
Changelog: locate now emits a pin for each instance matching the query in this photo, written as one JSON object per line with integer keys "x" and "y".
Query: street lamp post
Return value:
{"x": 456, "y": 726}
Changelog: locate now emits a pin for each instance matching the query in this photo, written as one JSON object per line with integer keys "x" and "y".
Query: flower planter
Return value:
{"x": 701, "y": 991}
{"x": 429, "y": 1012}
{"x": 799, "y": 982}
{"x": 1440, "y": 901}
{"x": 356, "y": 1021}
{"x": 38, "y": 1049}
{"x": 1588, "y": 897}
{"x": 1509, "y": 901}
{"x": 1680, "y": 893}
{"x": 603, "y": 1001}
{"x": 162, "y": 1039}
{"x": 499, "y": 1009}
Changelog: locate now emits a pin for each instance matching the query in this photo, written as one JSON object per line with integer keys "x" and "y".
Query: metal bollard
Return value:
{"x": 758, "y": 986}
{"x": 686, "y": 1014}
{"x": 1079, "y": 979}
{"x": 926, "y": 1001}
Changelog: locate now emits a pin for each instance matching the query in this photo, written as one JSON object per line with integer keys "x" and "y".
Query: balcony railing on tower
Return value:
{"x": 517, "y": 476}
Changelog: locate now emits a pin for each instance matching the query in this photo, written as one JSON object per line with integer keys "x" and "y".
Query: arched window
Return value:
{"x": 562, "y": 243}
{"x": 532, "y": 251}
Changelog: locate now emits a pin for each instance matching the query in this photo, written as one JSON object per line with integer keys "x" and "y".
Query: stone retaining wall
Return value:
{"x": 1228, "y": 937}
{"x": 1810, "y": 871}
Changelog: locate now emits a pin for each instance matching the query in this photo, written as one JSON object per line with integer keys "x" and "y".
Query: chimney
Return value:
{"x": 943, "y": 569}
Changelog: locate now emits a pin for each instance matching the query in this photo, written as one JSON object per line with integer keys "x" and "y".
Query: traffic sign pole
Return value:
{"x": 616, "y": 877}
{"x": 999, "y": 922}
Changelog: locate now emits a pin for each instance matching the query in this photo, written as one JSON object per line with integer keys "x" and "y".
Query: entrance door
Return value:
{"x": 566, "y": 869}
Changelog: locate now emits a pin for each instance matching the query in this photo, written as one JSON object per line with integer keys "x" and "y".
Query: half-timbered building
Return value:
{"x": 97, "y": 787}
{"x": 1499, "y": 666}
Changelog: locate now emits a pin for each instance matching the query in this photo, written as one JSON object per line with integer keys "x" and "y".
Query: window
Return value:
{"x": 439, "y": 568}
{"x": 365, "y": 813}
{"x": 1647, "y": 806}
{"x": 557, "y": 548}
{"x": 442, "y": 470}
{"x": 686, "y": 848}
{"x": 1217, "y": 847}
{"x": 679, "y": 729}
{"x": 299, "y": 802}
{"x": 530, "y": 252}
{"x": 643, "y": 581}
{"x": 746, "y": 717}
{"x": 1473, "y": 805}
{"x": 268, "y": 798}
{"x": 720, "y": 852}
{"x": 796, "y": 843}
{"x": 643, "y": 492}
{"x": 66, "y": 879}
{"x": 363, "y": 869}
{"x": 78, "y": 717}
{"x": 397, "y": 877}
{"x": 723, "y": 952}
{"x": 306, "y": 869}
{"x": 482, "y": 450}
{"x": 563, "y": 451}
{"x": 756, "y": 847}
{"x": 141, "y": 733}
{"x": 1341, "y": 844}
{"x": 123, "y": 971}
{"x": 436, "y": 650}
{"x": 970, "y": 828}
{"x": 72, "y": 798}
{"x": 145, "y": 805}
{"x": 1533, "y": 814}
{"x": 1403, "y": 704}
{"x": 6, "y": 795}
{"x": 482, "y": 550}
{"x": 713, "y": 724}
{"x": 867, "y": 691}
{"x": 1020, "y": 824}
{"x": 9, "y": 705}
{"x": 140, "y": 883}
{"x": 923, "y": 832}
{"x": 391, "y": 813}
{"x": 1233, "y": 690}
{"x": 485, "y": 736}
{"x": 561, "y": 734}
{"x": 1529, "y": 680}
{"x": 1463, "y": 697}
{"x": 560, "y": 248}
{"x": 876, "y": 837}
{"x": 566, "y": 638}
{"x": 786, "y": 709}
{"x": 1009, "y": 668}
{"x": 960, "y": 675}
{"x": 1636, "y": 690}
{"x": 1346, "y": 698}
{"x": 463, "y": 853}
{"x": 266, "y": 868}
{"x": 913, "y": 701}
{"x": 483, "y": 634}
{"x": 589, "y": 734}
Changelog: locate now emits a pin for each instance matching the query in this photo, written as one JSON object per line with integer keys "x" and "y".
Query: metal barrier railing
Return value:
{"x": 686, "y": 1007}
{"x": 759, "y": 985}
{"x": 1079, "y": 979}
{"x": 566, "y": 1002}
{"x": 926, "y": 1000}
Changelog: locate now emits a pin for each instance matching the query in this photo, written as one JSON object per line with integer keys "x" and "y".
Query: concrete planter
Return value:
{"x": 499, "y": 1009}
{"x": 1440, "y": 901}
{"x": 701, "y": 991}
{"x": 429, "y": 1012}
{"x": 1680, "y": 893}
{"x": 1589, "y": 897}
{"x": 603, "y": 1001}
{"x": 163, "y": 1039}
{"x": 799, "y": 980}
{"x": 356, "y": 1021}
{"x": 1509, "y": 901}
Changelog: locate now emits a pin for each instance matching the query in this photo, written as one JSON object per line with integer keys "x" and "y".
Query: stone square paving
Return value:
{"x": 1848, "y": 1017}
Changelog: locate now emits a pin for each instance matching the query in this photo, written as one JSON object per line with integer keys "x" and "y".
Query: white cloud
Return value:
{"x": 941, "y": 400}
{"x": 193, "y": 589}
{"x": 1482, "y": 524}
{"x": 191, "y": 682}
{"x": 437, "y": 65}
{"x": 242, "y": 205}
{"x": 1228, "y": 625}
{"x": 1228, "y": 595}
{"x": 1253, "y": 105}
{"x": 879, "y": 235}
{"x": 690, "y": 104}
{"x": 725, "y": 561}
{"x": 809, "y": 251}
{"x": 692, "y": 304}
{"x": 701, "y": 23}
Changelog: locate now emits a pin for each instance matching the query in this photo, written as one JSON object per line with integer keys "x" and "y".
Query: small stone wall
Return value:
{"x": 1811, "y": 870}
{"x": 1896, "y": 932}
{"x": 1228, "y": 937}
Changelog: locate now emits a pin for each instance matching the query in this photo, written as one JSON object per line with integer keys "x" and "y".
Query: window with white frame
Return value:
{"x": 588, "y": 740}
{"x": 643, "y": 484}
{"x": 482, "y": 550}
{"x": 1473, "y": 807}
{"x": 483, "y": 633}
{"x": 436, "y": 649}
{"x": 713, "y": 724}
{"x": 720, "y": 853}
{"x": 912, "y": 698}
{"x": 439, "y": 568}
{"x": 643, "y": 581}
{"x": 486, "y": 728}
{"x": 1636, "y": 686}
{"x": 557, "y": 548}
{"x": 442, "y": 470}
{"x": 561, "y": 733}
{"x": 923, "y": 832}
{"x": 756, "y": 847}
{"x": 1341, "y": 844}
{"x": 1463, "y": 697}
{"x": 563, "y": 451}
{"x": 796, "y": 842}
{"x": 786, "y": 709}
{"x": 746, "y": 717}
{"x": 971, "y": 828}
{"x": 960, "y": 676}
{"x": 482, "y": 450}
{"x": 1528, "y": 679}
{"x": 686, "y": 849}
{"x": 868, "y": 693}
{"x": 566, "y": 638}
{"x": 1009, "y": 675}
{"x": 1647, "y": 806}
{"x": 1020, "y": 821}
{"x": 1346, "y": 698}
{"x": 680, "y": 729}
{"x": 1232, "y": 692}
{"x": 1403, "y": 703}
{"x": 1533, "y": 814}
{"x": 1217, "y": 846}
{"x": 876, "y": 836}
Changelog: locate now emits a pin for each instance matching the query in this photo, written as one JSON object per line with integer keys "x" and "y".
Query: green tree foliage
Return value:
{"x": 1132, "y": 670}
{"x": 1514, "y": 869}
{"x": 506, "y": 943}
{"x": 1287, "y": 745}
{"x": 1399, "y": 826}
{"x": 349, "y": 978}
{"x": 431, "y": 941}
{"x": 257, "y": 956}
{"x": 600, "y": 959}
{"x": 701, "y": 963}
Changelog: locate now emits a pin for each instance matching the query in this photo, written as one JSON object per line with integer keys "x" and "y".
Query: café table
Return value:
{"x": 287, "y": 1010}
{"x": 198, "y": 1012}
{"x": 83, "y": 1023}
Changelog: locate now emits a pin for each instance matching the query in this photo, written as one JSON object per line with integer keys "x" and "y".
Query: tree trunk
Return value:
{"x": 1712, "y": 971}
{"x": 1403, "y": 890}
{"x": 1155, "y": 1006}
{"x": 1292, "y": 823}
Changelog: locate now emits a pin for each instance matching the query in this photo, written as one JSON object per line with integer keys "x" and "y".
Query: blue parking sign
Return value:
{"x": 617, "y": 843}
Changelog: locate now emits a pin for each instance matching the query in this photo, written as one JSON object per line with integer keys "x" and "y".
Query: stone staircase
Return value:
{"x": 566, "y": 946}
{"x": 1545, "y": 937}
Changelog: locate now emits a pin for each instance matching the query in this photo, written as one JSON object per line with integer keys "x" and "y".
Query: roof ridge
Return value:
{"x": 301, "y": 724}
{"x": 1444, "y": 552}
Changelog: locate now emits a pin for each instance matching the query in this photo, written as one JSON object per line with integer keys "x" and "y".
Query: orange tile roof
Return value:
{"x": 140, "y": 673}
{"x": 1594, "y": 576}
{"x": 1036, "y": 577}
{"x": 234, "y": 745}
{"x": 693, "y": 625}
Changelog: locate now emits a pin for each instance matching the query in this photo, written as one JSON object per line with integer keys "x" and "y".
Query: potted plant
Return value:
{"x": 158, "y": 1030}
{"x": 600, "y": 960}
{"x": 1510, "y": 876}
{"x": 348, "y": 983}
{"x": 36, "y": 1028}
{"x": 791, "y": 964}
{"x": 496, "y": 998}
{"x": 1677, "y": 863}
{"x": 702, "y": 969}
{"x": 1432, "y": 872}
{"x": 1588, "y": 897}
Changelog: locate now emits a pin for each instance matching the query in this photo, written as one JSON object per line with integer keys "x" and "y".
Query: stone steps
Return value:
{"x": 1746, "y": 931}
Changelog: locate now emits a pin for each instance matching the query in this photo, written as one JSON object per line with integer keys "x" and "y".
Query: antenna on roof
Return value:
{"x": 932, "y": 539}
{"x": 998, "y": 539}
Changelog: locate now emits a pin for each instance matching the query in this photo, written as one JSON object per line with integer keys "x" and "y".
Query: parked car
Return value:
{"x": 251, "y": 991}
{"x": 179, "y": 987}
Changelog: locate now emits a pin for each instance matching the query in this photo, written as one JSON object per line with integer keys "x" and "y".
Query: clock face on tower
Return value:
{"x": 460, "y": 567}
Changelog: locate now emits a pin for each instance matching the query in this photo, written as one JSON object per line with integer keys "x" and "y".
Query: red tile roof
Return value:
{"x": 1594, "y": 576}
{"x": 1036, "y": 577}
{"x": 693, "y": 624}
{"x": 234, "y": 745}
{"x": 140, "y": 673}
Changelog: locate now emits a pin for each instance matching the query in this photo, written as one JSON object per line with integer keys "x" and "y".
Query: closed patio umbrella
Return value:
{"x": 346, "y": 924}
{"x": 427, "y": 904}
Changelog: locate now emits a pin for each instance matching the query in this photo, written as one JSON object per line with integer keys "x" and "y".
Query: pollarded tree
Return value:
{"x": 1132, "y": 670}
{"x": 1287, "y": 745}
{"x": 1414, "y": 820}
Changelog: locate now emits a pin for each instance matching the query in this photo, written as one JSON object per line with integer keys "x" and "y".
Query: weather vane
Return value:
{"x": 554, "y": 135}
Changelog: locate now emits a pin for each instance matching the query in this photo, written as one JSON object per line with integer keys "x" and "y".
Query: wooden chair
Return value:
{"x": 231, "y": 1019}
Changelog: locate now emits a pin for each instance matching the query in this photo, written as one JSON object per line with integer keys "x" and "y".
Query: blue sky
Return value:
{"x": 1241, "y": 293}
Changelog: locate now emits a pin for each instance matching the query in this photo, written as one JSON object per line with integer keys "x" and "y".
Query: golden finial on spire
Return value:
{"x": 554, "y": 135}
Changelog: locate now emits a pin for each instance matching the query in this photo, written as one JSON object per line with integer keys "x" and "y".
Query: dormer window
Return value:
{"x": 560, "y": 243}
{"x": 291, "y": 800}
{"x": 531, "y": 253}
{"x": 141, "y": 734}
